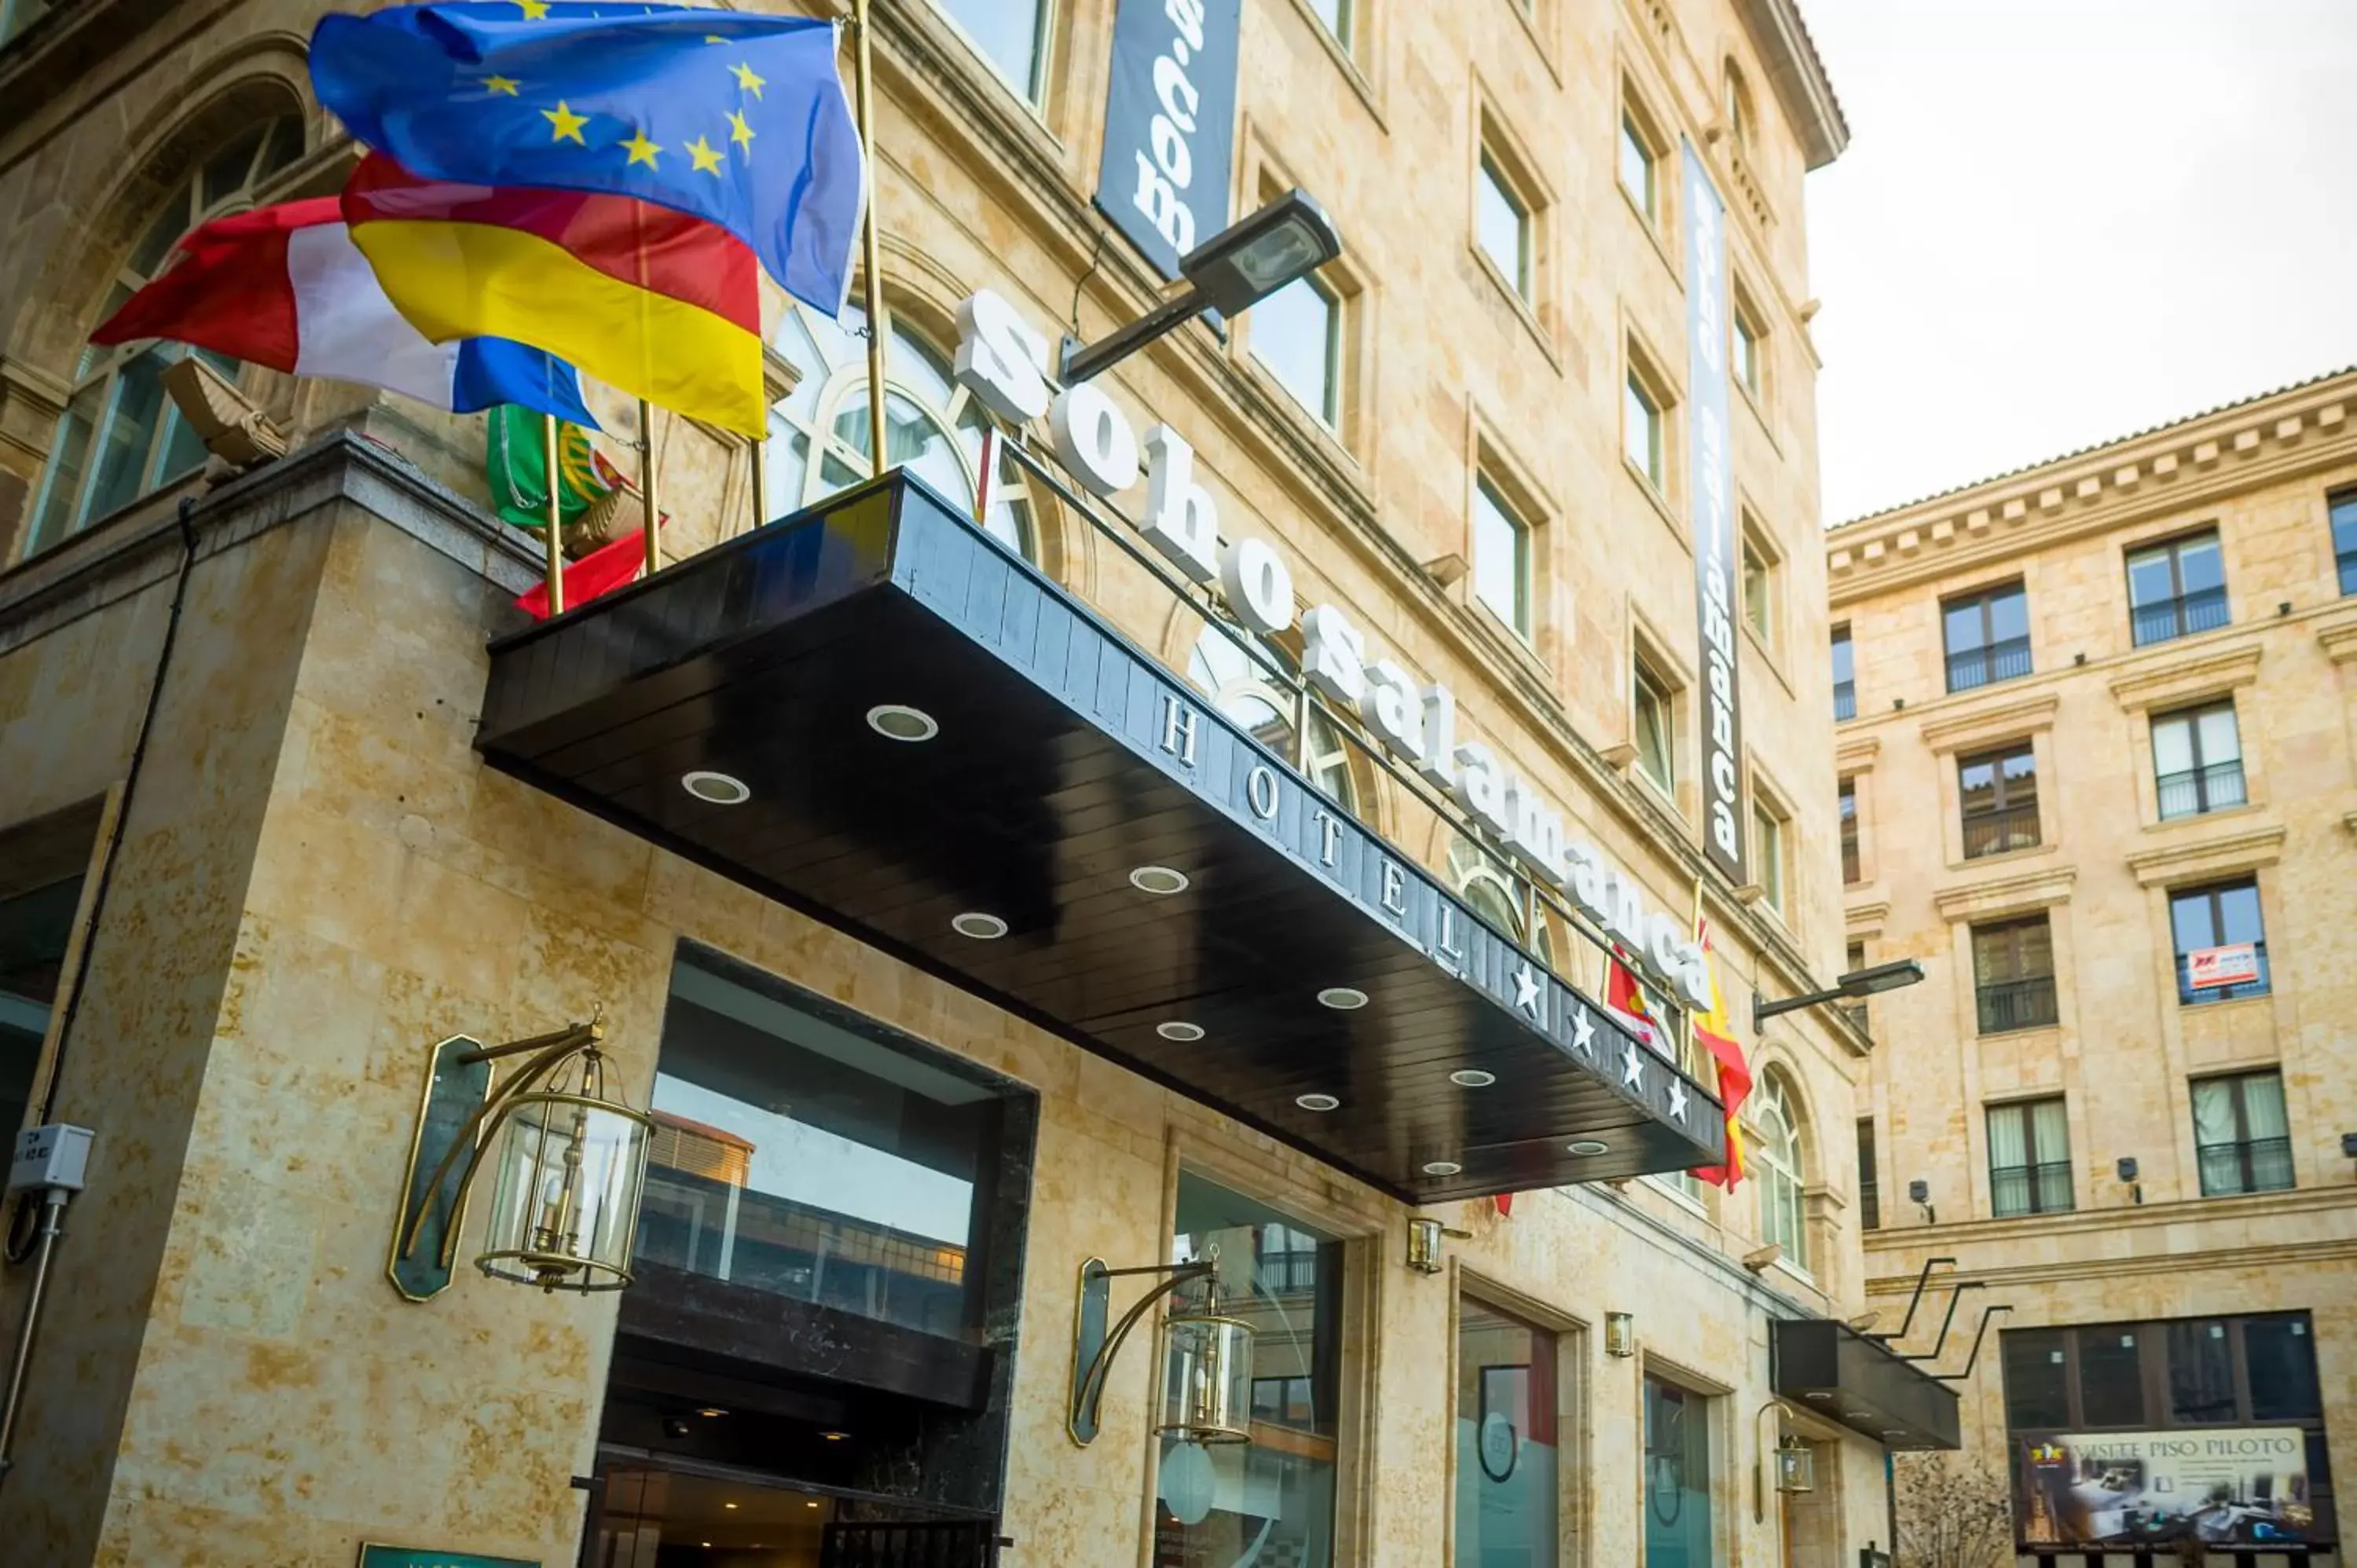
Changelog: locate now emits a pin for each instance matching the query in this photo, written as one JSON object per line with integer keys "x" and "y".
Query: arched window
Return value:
{"x": 819, "y": 436}
{"x": 1782, "y": 1169}
{"x": 1246, "y": 692}
{"x": 121, "y": 436}
{"x": 1739, "y": 106}
{"x": 1495, "y": 896}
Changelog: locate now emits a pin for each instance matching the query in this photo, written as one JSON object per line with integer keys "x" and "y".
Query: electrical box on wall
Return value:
{"x": 56, "y": 1155}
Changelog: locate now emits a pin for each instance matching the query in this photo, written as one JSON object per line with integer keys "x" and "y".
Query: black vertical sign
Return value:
{"x": 1170, "y": 124}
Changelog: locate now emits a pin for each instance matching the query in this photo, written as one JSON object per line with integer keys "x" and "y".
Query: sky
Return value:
{"x": 2058, "y": 221}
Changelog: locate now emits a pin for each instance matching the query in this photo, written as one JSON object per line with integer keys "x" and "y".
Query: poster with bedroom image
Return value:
{"x": 2243, "y": 1485}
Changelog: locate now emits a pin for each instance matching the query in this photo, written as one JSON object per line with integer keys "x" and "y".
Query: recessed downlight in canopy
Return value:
{"x": 981, "y": 926}
{"x": 1472, "y": 1078}
{"x": 1159, "y": 880}
{"x": 1184, "y": 1033}
{"x": 895, "y": 721}
{"x": 1442, "y": 1168}
{"x": 1317, "y": 1101}
{"x": 716, "y": 789}
{"x": 1342, "y": 998}
{"x": 1586, "y": 1148}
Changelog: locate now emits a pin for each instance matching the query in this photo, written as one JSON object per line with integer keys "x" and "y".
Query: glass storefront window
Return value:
{"x": 1271, "y": 1500}
{"x": 2200, "y": 1372}
{"x": 1507, "y": 1453}
{"x": 2280, "y": 1359}
{"x": 793, "y": 1157}
{"x": 2110, "y": 1377}
{"x": 2037, "y": 1378}
{"x": 1677, "y": 1476}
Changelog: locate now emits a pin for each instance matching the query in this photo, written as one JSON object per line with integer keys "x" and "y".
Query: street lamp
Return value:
{"x": 1232, "y": 271}
{"x": 1858, "y": 983}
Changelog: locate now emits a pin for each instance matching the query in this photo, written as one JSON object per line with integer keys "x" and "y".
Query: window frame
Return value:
{"x": 1846, "y": 806}
{"x": 2190, "y": 719}
{"x": 1838, "y": 641}
{"x": 1548, "y": 1344}
{"x": 1043, "y": 46}
{"x": 2340, "y": 515}
{"x": 2037, "y": 1162}
{"x": 1870, "y": 1176}
{"x": 1746, "y": 325}
{"x": 1645, "y": 389}
{"x": 2024, "y": 982}
{"x": 2213, "y": 896}
{"x": 1990, "y": 650}
{"x": 2002, "y": 809}
{"x": 1523, "y": 621}
{"x": 1635, "y": 131}
{"x": 1336, "y": 303}
{"x": 1495, "y": 167}
{"x": 2145, "y": 630}
{"x": 2242, "y": 1142}
{"x": 1783, "y": 1170}
{"x": 2153, "y": 1381}
{"x": 1768, "y": 851}
{"x": 1644, "y": 677}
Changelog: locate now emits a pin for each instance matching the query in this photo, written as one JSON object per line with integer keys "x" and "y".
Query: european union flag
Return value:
{"x": 735, "y": 118}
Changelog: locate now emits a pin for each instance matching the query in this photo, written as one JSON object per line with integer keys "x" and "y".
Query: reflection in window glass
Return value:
{"x": 1640, "y": 432}
{"x": 1271, "y": 1500}
{"x": 1336, "y": 14}
{"x": 793, "y": 1157}
{"x": 1677, "y": 1476}
{"x": 1636, "y": 166}
{"x": 1507, "y": 1450}
{"x": 1295, "y": 332}
{"x": 1010, "y": 35}
{"x": 2110, "y": 1377}
{"x": 1503, "y": 228}
{"x": 1656, "y": 752}
{"x": 2279, "y": 1355}
{"x": 1501, "y": 559}
{"x": 1768, "y": 856}
{"x": 2037, "y": 1380}
{"x": 2200, "y": 1372}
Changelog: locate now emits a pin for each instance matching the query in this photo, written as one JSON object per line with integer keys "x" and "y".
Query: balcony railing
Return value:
{"x": 2181, "y": 617}
{"x": 1845, "y": 692}
{"x": 2199, "y": 789}
{"x": 1994, "y": 833}
{"x": 2017, "y": 1004}
{"x": 2254, "y": 1164}
{"x": 1869, "y": 1203}
{"x": 2256, "y": 986}
{"x": 2030, "y": 1189}
{"x": 1994, "y": 661}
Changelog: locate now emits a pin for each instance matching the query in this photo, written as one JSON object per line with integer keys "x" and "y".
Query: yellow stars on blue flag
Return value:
{"x": 566, "y": 122}
{"x": 741, "y": 133}
{"x": 534, "y": 10}
{"x": 747, "y": 81}
{"x": 501, "y": 84}
{"x": 705, "y": 156}
{"x": 642, "y": 151}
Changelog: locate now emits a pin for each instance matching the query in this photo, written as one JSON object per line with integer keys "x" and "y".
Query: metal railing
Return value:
{"x": 1971, "y": 667}
{"x": 2199, "y": 790}
{"x": 2016, "y": 1003}
{"x": 2258, "y": 985}
{"x": 2254, "y": 1165}
{"x": 1845, "y": 692}
{"x": 2043, "y": 1189}
{"x": 2202, "y": 610}
{"x": 1994, "y": 833}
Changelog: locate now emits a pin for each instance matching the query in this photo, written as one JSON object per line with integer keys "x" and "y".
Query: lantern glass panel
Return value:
{"x": 1207, "y": 1385}
{"x": 566, "y": 1199}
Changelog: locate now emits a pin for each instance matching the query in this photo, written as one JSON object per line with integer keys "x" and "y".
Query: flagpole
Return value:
{"x": 862, "y": 69}
{"x": 647, "y": 486}
{"x": 553, "y": 564}
{"x": 760, "y": 487}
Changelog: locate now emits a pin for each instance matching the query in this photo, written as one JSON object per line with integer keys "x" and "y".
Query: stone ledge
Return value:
{"x": 2217, "y": 854}
{"x": 1857, "y": 755}
{"x": 2208, "y": 675}
{"x": 2022, "y": 894}
{"x": 2021, "y": 716}
{"x": 2338, "y": 638}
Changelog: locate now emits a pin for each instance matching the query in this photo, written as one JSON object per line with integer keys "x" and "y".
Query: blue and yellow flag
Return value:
{"x": 734, "y": 118}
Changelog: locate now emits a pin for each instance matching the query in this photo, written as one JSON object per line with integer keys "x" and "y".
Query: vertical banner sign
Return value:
{"x": 1170, "y": 124}
{"x": 1712, "y": 508}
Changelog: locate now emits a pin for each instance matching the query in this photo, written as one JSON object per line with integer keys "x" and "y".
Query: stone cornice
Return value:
{"x": 1865, "y": 920}
{"x": 2338, "y": 638}
{"x": 1798, "y": 76}
{"x": 1857, "y": 754}
{"x": 2167, "y": 684}
{"x": 2180, "y": 467}
{"x": 2215, "y": 855}
{"x": 2240, "y": 1217}
{"x": 2022, "y": 894}
{"x": 1954, "y": 732}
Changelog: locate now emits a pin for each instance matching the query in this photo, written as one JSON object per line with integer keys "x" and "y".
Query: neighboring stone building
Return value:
{"x": 2096, "y": 773}
{"x": 254, "y": 862}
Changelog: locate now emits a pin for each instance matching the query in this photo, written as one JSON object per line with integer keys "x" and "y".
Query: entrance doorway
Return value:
{"x": 660, "y": 1516}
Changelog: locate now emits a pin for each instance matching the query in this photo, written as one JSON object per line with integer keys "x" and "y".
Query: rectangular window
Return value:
{"x": 2344, "y": 506}
{"x": 1869, "y": 1185}
{"x": 1758, "y": 589}
{"x": 1768, "y": 856}
{"x": 1987, "y": 637}
{"x": 2178, "y": 588}
{"x": 1677, "y": 1476}
{"x": 1508, "y": 1452}
{"x": 1336, "y": 14}
{"x": 2170, "y": 1374}
{"x": 1296, "y": 332}
{"x": 2197, "y": 760}
{"x": 2013, "y": 975}
{"x": 2222, "y": 948}
{"x": 36, "y": 927}
{"x": 2241, "y": 1134}
{"x": 1850, "y": 877}
{"x": 1012, "y": 36}
{"x": 1501, "y": 558}
{"x": 793, "y": 1157}
{"x": 1656, "y": 752}
{"x": 2037, "y": 1378}
{"x": 1844, "y": 675}
{"x": 1502, "y": 225}
{"x": 1999, "y": 791}
{"x": 2280, "y": 1359}
{"x": 1280, "y": 1500}
{"x": 2110, "y": 1377}
{"x": 1854, "y": 960}
{"x": 1748, "y": 334}
{"x": 1641, "y": 431}
{"x": 2029, "y": 1158}
{"x": 1637, "y": 172}
{"x": 2200, "y": 1373}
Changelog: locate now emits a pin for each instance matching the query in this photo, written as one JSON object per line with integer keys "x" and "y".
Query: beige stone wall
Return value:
{"x": 2124, "y": 1048}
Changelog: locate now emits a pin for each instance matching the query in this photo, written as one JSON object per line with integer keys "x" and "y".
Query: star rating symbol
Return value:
{"x": 499, "y": 84}
{"x": 566, "y": 122}
{"x": 705, "y": 156}
{"x": 534, "y": 10}
{"x": 1526, "y": 991}
{"x": 741, "y": 133}
{"x": 1583, "y": 1033}
{"x": 747, "y": 81}
{"x": 1677, "y": 1100}
{"x": 642, "y": 151}
{"x": 1632, "y": 1069}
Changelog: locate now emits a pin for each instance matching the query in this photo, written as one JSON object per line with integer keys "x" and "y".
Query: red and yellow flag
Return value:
{"x": 661, "y": 305}
{"x": 1713, "y": 1034}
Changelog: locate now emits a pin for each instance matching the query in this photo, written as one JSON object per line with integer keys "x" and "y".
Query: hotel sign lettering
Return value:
{"x": 1004, "y": 361}
{"x": 1721, "y": 708}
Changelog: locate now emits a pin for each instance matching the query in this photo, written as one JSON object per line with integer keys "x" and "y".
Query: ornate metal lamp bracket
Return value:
{"x": 1093, "y": 1347}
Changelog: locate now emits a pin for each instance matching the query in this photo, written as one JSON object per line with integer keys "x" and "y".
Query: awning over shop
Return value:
{"x": 926, "y": 730}
{"x": 1832, "y": 1368}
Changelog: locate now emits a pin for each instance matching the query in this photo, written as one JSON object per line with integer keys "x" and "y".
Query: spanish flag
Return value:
{"x": 1712, "y": 1032}
{"x": 664, "y": 305}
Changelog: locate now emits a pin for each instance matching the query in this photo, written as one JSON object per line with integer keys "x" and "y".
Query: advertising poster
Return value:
{"x": 2230, "y": 965}
{"x": 1169, "y": 134}
{"x": 2237, "y": 1485}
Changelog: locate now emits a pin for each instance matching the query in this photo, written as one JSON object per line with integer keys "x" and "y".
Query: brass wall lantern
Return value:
{"x": 1620, "y": 1333}
{"x": 1424, "y": 1234}
{"x": 1790, "y": 1466}
{"x": 1207, "y": 1356}
{"x": 568, "y": 1156}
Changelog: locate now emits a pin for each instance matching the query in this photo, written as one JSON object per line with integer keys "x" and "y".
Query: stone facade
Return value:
{"x": 2114, "y": 841}
{"x": 316, "y": 877}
